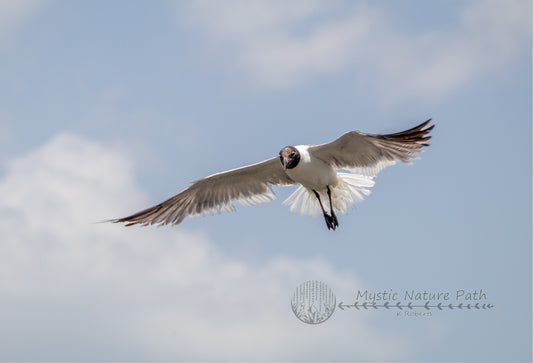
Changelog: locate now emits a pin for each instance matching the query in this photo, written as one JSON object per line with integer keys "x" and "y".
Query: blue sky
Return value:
{"x": 110, "y": 107}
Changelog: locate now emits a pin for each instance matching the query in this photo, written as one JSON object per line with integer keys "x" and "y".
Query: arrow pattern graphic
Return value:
{"x": 428, "y": 306}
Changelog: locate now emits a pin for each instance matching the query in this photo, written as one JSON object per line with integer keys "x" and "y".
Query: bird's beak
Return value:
{"x": 285, "y": 162}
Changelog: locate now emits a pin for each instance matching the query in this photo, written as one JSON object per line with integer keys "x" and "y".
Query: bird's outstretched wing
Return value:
{"x": 368, "y": 153}
{"x": 248, "y": 185}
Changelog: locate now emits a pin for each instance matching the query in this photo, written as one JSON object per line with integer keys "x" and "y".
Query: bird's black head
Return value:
{"x": 289, "y": 156}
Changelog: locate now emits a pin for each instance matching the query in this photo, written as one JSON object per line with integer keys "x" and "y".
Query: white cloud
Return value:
{"x": 489, "y": 34}
{"x": 13, "y": 13}
{"x": 280, "y": 44}
{"x": 75, "y": 290}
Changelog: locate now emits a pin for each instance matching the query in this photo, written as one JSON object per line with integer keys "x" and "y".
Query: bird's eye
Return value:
{"x": 293, "y": 154}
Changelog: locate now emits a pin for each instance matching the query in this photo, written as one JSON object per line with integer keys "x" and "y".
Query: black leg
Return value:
{"x": 330, "y": 222}
{"x": 335, "y": 220}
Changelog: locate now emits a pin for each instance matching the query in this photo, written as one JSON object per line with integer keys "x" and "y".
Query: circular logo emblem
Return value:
{"x": 313, "y": 302}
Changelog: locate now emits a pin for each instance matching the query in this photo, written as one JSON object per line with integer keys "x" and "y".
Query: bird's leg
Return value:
{"x": 330, "y": 223}
{"x": 333, "y": 216}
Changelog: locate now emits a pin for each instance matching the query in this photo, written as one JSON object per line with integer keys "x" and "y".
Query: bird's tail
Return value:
{"x": 350, "y": 188}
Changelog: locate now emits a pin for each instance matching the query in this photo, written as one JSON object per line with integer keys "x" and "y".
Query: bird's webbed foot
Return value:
{"x": 331, "y": 221}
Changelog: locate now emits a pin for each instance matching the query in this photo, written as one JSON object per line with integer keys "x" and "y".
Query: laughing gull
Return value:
{"x": 314, "y": 167}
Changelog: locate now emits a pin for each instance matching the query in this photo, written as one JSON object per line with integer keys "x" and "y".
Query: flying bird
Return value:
{"x": 331, "y": 176}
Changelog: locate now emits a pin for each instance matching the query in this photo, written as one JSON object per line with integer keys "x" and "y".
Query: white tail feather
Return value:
{"x": 350, "y": 188}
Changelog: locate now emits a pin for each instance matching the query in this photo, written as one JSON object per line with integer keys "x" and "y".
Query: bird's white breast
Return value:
{"x": 311, "y": 172}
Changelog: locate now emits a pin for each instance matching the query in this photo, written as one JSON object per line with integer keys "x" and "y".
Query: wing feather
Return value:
{"x": 370, "y": 153}
{"x": 248, "y": 185}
